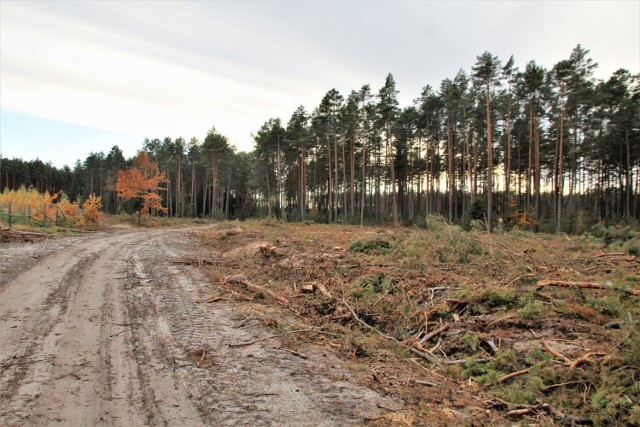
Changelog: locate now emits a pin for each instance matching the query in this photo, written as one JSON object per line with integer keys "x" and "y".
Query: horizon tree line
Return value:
{"x": 552, "y": 150}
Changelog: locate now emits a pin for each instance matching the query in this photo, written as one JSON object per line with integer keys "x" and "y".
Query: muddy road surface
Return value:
{"x": 109, "y": 329}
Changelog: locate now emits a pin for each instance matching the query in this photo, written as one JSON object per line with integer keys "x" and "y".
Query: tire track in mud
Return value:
{"x": 109, "y": 331}
{"x": 260, "y": 385}
{"x": 53, "y": 313}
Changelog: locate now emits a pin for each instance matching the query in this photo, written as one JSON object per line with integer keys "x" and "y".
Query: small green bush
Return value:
{"x": 375, "y": 246}
{"x": 531, "y": 310}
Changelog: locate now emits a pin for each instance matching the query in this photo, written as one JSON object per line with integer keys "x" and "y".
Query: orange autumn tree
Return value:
{"x": 142, "y": 182}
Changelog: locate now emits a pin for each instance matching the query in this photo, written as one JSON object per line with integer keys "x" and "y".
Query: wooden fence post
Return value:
{"x": 9, "y": 214}
{"x": 29, "y": 215}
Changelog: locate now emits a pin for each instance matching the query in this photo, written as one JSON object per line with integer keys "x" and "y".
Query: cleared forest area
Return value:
{"x": 467, "y": 327}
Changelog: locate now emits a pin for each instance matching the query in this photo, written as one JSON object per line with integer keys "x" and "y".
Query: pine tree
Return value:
{"x": 485, "y": 72}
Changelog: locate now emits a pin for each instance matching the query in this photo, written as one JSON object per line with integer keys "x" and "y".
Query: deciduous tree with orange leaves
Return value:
{"x": 142, "y": 182}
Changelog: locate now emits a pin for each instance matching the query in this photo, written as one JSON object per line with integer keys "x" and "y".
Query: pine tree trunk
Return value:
{"x": 194, "y": 202}
{"x": 352, "y": 174}
{"x": 335, "y": 180}
{"x": 536, "y": 135}
{"x": 214, "y": 182}
{"x": 303, "y": 186}
{"x": 363, "y": 190}
{"x": 598, "y": 190}
{"x": 530, "y": 162}
{"x": 450, "y": 177}
{"x": 394, "y": 194}
{"x": 560, "y": 164}
{"x": 344, "y": 184}
{"x": 507, "y": 163}
{"x": 268, "y": 192}
{"x": 179, "y": 204}
{"x": 204, "y": 194}
{"x": 628, "y": 175}
{"x": 329, "y": 202}
{"x": 490, "y": 160}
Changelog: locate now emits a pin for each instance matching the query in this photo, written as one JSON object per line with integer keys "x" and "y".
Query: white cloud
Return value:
{"x": 155, "y": 69}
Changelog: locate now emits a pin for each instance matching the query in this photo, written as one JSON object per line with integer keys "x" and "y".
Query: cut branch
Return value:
{"x": 242, "y": 280}
{"x": 437, "y": 332}
{"x": 584, "y": 359}
{"x": 424, "y": 355}
{"x": 554, "y": 352}
{"x": 588, "y": 285}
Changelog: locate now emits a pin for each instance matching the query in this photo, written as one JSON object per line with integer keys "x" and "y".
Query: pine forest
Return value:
{"x": 495, "y": 146}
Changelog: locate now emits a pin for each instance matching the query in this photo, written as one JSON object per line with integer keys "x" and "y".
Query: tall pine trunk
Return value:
{"x": 490, "y": 163}
{"x": 560, "y": 179}
{"x": 394, "y": 193}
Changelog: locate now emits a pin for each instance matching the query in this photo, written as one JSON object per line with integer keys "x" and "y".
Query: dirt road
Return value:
{"x": 107, "y": 330}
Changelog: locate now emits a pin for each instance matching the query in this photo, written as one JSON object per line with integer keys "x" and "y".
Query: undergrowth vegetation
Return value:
{"x": 544, "y": 328}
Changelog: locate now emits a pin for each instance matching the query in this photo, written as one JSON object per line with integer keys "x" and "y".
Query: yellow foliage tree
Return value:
{"x": 141, "y": 182}
{"x": 91, "y": 208}
{"x": 29, "y": 201}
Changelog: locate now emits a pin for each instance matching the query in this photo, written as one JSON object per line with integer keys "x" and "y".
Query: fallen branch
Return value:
{"x": 423, "y": 382}
{"x": 524, "y": 411}
{"x": 242, "y": 280}
{"x": 214, "y": 299}
{"x": 552, "y": 386}
{"x": 573, "y": 420}
{"x": 554, "y": 352}
{"x": 584, "y": 359}
{"x": 434, "y": 333}
{"x": 295, "y": 353}
{"x": 80, "y": 367}
{"x": 512, "y": 375}
{"x": 463, "y": 361}
{"x": 199, "y": 262}
{"x": 297, "y": 331}
{"x": 587, "y": 285}
{"x": 528, "y": 409}
{"x": 518, "y": 278}
{"x": 504, "y": 249}
{"x": 572, "y": 364}
{"x": 608, "y": 254}
{"x": 428, "y": 357}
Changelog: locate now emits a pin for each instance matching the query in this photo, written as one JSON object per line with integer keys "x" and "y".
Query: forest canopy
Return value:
{"x": 497, "y": 145}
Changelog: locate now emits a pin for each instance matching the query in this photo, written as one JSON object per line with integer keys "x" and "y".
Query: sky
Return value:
{"x": 82, "y": 76}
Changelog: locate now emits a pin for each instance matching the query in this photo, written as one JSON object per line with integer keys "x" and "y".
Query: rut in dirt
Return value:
{"x": 108, "y": 330}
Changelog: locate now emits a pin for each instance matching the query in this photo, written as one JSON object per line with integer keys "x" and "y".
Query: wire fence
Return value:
{"x": 48, "y": 215}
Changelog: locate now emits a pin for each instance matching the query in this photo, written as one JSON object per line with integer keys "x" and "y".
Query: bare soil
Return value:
{"x": 111, "y": 329}
{"x": 261, "y": 323}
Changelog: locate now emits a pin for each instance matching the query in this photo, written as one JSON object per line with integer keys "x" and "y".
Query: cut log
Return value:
{"x": 324, "y": 291}
{"x": 308, "y": 288}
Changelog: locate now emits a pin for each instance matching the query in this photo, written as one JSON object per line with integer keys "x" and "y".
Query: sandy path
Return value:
{"x": 107, "y": 330}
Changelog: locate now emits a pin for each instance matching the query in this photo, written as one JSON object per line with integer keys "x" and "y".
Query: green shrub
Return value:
{"x": 613, "y": 234}
{"x": 469, "y": 340}
{"x": 516, "y": 394}
{"x": 375, "y": 246}
{"x": 531, "y": 310}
